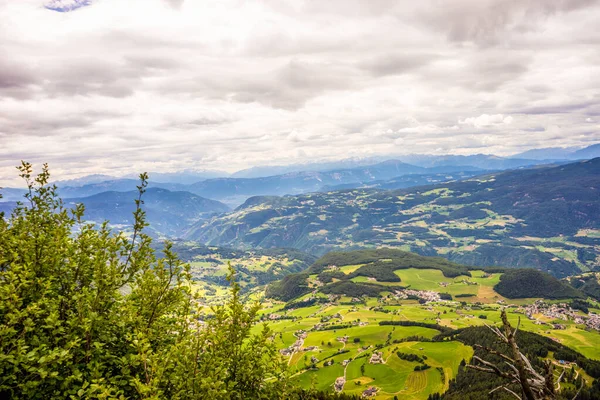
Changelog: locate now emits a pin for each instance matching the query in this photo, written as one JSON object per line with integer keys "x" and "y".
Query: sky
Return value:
{"x": 118, "y": 87}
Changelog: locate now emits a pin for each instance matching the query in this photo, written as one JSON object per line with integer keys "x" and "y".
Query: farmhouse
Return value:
{"x": 370, "y": 392}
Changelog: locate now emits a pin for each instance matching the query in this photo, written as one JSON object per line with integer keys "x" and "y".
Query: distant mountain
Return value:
{"x": 12, "y": 194}
{"x": 234, "y": 191}
{"x": 117, "y": 185}
{"x": 543, "y": 217}
{"x": 270, "y": 170}
{"x": 86, "y": 180}
{"x": 168, "y": 213}
{"x": 406, "y": 181}
{"x": 587, "y": 152}
{"x": 483, "y": 161}
{"x": 183, "y": 177}
{"x": 548, "y": 153}
{"x": 562, "y": 153}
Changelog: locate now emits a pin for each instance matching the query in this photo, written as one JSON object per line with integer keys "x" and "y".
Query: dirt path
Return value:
{"x": 343, "y": 376}
{"x": 301, "y": 340}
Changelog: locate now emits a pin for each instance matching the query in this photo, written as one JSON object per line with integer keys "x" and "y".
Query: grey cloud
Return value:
{"x": 16, "y": 79}
{"x": 485, "y": 21}
{"x": 490, "y": 74}
{"x": 289, "y": 86}
{"x": 486, "y": 71}
{"x": 152, "y": 62}
{"x": 39, "y": 124}
{"x": 557, "y": 108}
{"x": 396, "y": 63}
{"x": 93, "y": 76}
{"x": 175, "y": 3}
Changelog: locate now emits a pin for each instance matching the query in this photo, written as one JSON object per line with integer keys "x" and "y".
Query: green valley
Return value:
{"x": 345, "y": 326}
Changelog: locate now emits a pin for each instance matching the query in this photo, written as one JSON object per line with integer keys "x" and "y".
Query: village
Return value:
{"x": 561, "y": 311}
{"x": 427, "y": 295}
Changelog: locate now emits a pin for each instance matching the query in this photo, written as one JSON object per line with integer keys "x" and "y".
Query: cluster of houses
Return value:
{"x": 370, "y": 392}
{"x": 426, "y": 295}
{"x": 323, "y": 326}
{"x": 297, "y": 346}
{"x": 327, "y": 318}
{"x": 376, "y": 358}
{"x": 561, "y": 311}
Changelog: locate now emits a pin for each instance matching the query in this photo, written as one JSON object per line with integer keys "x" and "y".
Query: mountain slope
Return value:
{"x": 561, "y": 153}
{"x": 548, "y": 153}
{"x": 115, "y": 185}
{"x": 406, "y": 181}
{"x": 587, "y": 152}
{"x": 483, "y": 161}
{"x": 541, "y": 217}
{"x": 168, "y": 213}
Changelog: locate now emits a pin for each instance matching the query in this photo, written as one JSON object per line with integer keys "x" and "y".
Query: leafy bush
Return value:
{"x": 422, "y": 367}
{"x": 416, "y": 323}
{"x": 410, "y": 357}
{"x": 88, "y": 313}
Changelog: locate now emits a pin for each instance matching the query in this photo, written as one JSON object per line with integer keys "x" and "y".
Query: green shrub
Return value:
{"x": 90, "y": 313}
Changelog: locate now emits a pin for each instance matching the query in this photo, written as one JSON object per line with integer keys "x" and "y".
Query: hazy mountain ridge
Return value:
{"x": 168, "y": 212}
{"x": 235, "y": 188}
{"x": 561, "y": 153}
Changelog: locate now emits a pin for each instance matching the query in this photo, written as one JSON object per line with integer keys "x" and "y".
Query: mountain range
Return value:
{"x": 168, "y": 213}
{"x": 545, "y": 217}
{"x": 235, "y": 188}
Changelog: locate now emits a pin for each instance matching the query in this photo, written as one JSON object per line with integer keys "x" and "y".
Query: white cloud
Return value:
{"x": 124, "y": 86}
{"x": 485, "y": 120}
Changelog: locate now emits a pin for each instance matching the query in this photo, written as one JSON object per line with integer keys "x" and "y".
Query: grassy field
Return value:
{"x": 357, "y": 324}
{"x": 345, "y": 351}
{"x": 393, "y": 377}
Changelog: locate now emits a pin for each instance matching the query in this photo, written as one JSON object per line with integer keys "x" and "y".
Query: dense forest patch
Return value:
{"x": 525, "y": 283}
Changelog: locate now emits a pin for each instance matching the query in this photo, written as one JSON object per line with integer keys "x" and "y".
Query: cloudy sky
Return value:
{"x": 114, "y": 86}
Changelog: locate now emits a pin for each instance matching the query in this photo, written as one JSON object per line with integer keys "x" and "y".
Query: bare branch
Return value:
{"x": 511, "y": 392}
{"x": 492, "y": 351}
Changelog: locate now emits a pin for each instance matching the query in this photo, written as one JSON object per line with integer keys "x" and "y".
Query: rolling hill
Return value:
{"x": 545, "y": 217}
